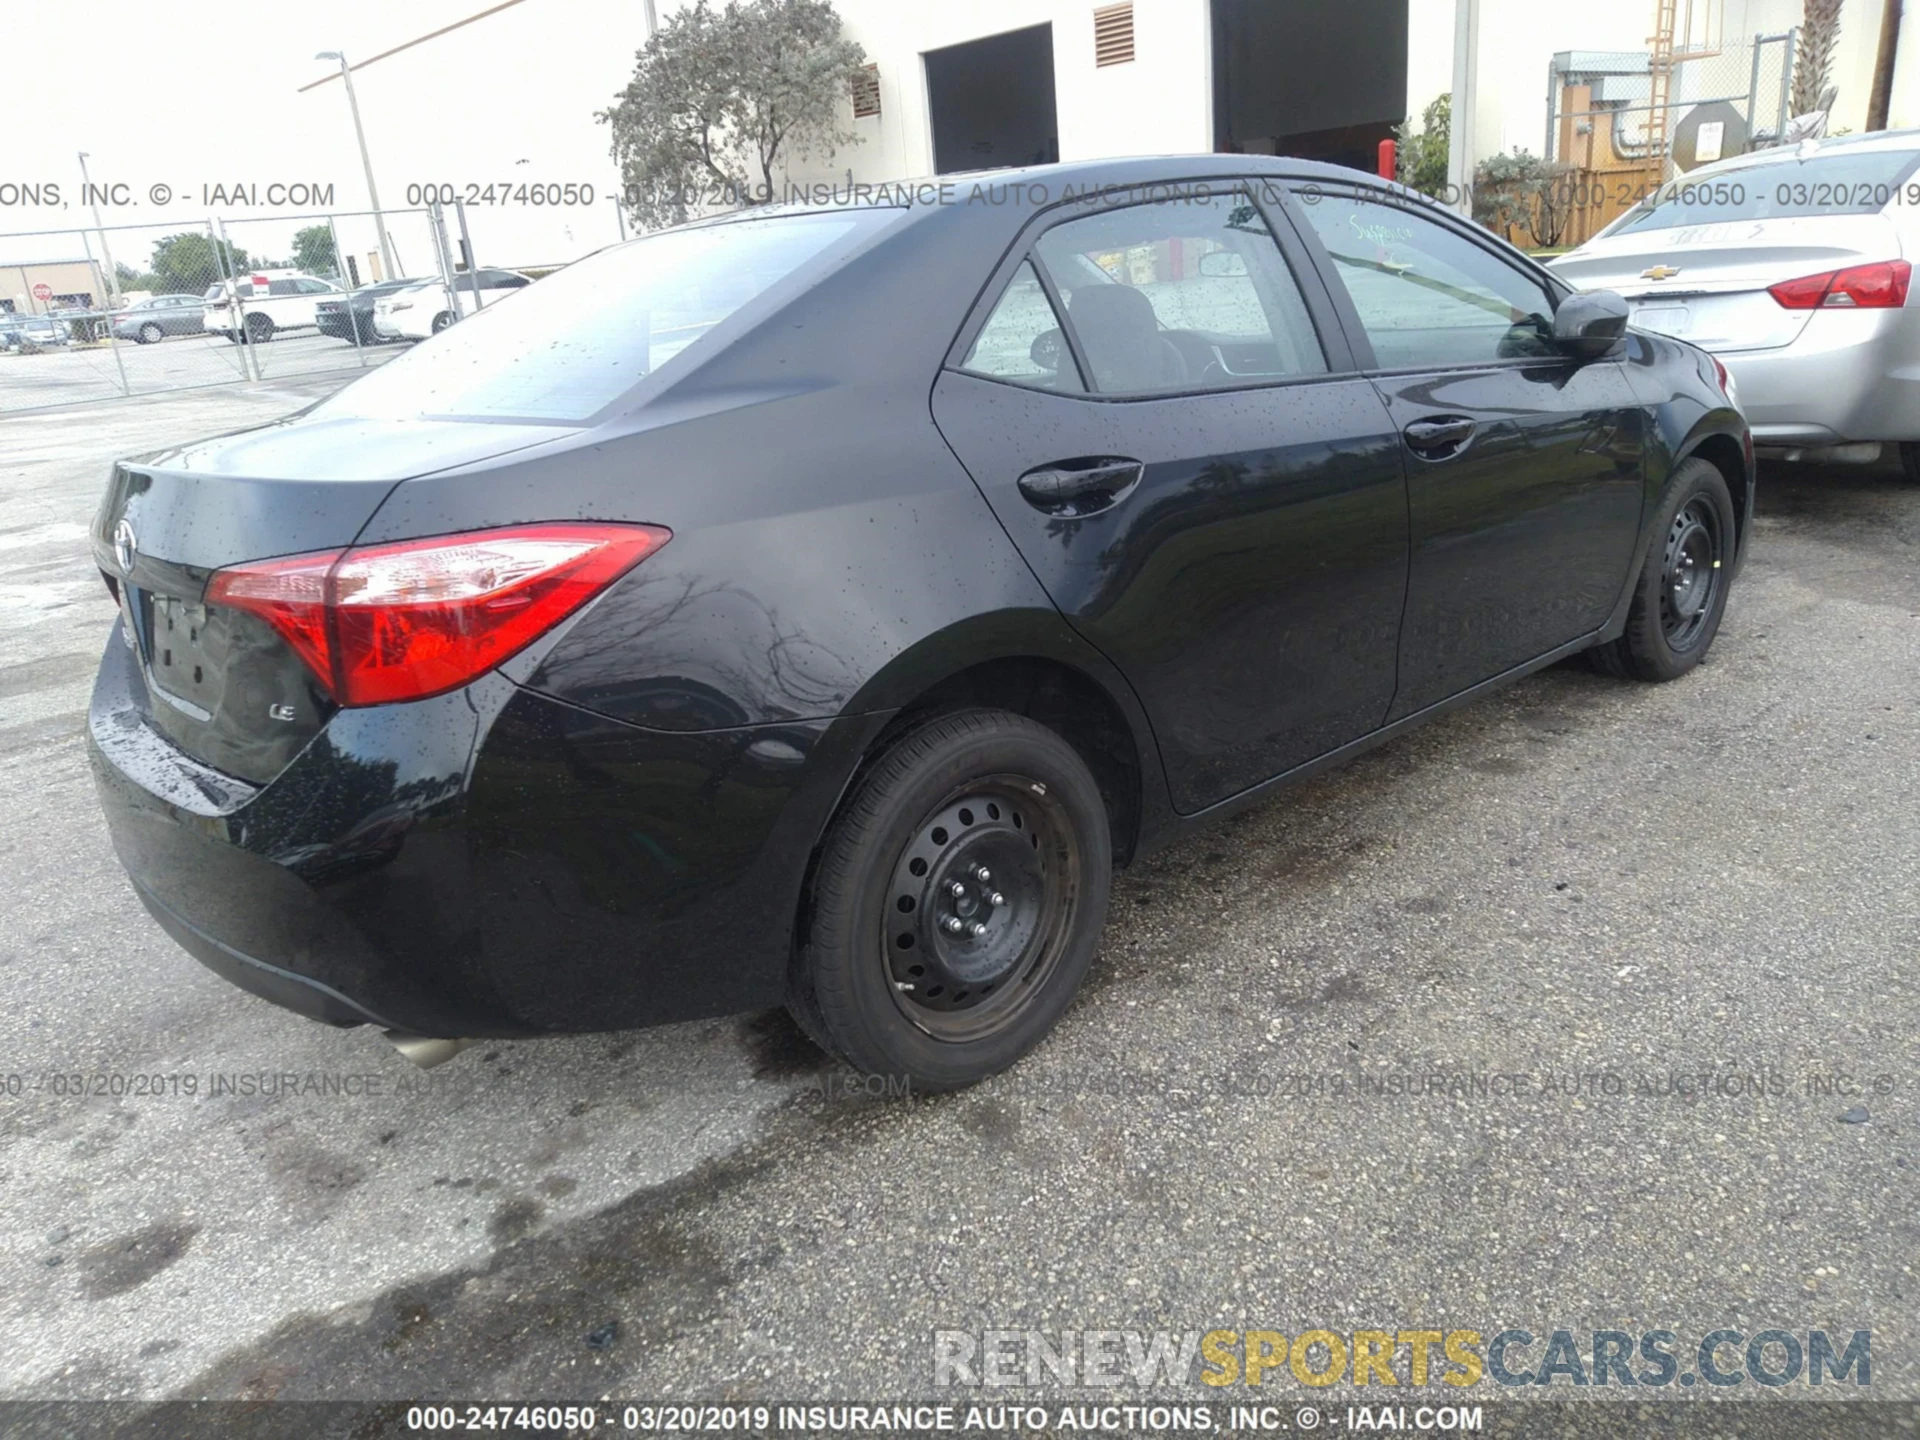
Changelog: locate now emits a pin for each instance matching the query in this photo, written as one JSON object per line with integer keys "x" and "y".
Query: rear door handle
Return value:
{"x": 1080, "y": 487}
{"x": 1445, "y": 433}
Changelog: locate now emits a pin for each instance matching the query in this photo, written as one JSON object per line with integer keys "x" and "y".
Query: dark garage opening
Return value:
{"x": 991, "y": 102}
{"x": 1322, "y": 82}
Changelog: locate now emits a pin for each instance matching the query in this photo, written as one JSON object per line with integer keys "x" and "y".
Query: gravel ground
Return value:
{"x": 1601, "y": 891}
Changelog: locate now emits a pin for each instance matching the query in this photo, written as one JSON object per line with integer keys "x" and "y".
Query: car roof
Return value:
{"x": 1028, "y": 188}
{"x": 1879, "y": 140}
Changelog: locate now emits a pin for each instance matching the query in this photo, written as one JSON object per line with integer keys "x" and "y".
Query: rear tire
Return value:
{"x": 1682, "y": 590}
{"x": 905, "y": 975}
{"x": 1910, "y": 458}
{"x": 442, "y": 321}
{"x": 259, "y": 329}
{"x": 149, "y": 334}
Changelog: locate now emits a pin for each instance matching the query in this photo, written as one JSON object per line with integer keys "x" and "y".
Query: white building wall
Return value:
{"x": 1160, "y": 103}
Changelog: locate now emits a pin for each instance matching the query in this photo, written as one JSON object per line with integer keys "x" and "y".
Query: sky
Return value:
{"x": 179, "y": 101}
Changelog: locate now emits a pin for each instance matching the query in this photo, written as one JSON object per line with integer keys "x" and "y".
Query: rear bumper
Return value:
{"x": 1848, "y": 377}
{"x": 487, "y": 863}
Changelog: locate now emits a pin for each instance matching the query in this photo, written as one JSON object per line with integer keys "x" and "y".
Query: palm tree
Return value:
{"x": 1819, "y": 36}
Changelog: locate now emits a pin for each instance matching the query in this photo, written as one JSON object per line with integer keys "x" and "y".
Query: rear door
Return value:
{"x": 1160, "y": 408}
{"x": 1523, "y": 465}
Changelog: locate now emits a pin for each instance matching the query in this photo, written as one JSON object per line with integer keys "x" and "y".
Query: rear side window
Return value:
{"x": 1021, "y": 341}
{"x": 1861, "y": 183}
{"x": 606, "y": 322}
{"x": 1186, "y": 294}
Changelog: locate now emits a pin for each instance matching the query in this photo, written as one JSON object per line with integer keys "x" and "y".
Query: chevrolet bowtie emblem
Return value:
{"x": 1660, "y": 272}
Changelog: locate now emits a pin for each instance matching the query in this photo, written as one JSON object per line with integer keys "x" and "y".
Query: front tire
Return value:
{"x": 957, "y": 902}
{"x": 1682, "y": 590}
{"x": 442, "y": 321}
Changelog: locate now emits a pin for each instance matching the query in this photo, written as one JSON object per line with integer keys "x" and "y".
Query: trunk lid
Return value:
{"x": 1707, "y": 284}
{"x": 221, "y": 684}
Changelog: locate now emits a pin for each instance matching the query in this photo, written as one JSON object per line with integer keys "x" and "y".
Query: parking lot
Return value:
{"x": 77, "y": 374}
{"x": 1687, "y": 916}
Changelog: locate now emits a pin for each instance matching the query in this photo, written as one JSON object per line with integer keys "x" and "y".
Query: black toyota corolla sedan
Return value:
{"x": 815, "y": 605}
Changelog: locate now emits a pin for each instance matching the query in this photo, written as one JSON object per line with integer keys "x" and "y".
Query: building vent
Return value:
{"x": 1113, "y": 34}
{"x": 866, "y": 92}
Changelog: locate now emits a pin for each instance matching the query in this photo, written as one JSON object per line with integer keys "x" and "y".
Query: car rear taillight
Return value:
{"x": 1880, "y": 286}
{"x": 403, "y": 621}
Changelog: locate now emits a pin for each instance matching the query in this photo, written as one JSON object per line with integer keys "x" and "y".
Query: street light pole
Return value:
{"x": 113, "y": 278}
{"x": 366, "y": 163}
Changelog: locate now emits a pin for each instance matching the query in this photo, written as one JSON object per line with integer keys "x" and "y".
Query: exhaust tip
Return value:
{"x": 426, "y": 1051}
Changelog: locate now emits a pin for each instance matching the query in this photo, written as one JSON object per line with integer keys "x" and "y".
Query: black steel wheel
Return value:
{"x": 1682, "y": 589}
{"x": 982, "y": 905}
{"x": 1692, "y": 571}
{"x": 956, "y": 903}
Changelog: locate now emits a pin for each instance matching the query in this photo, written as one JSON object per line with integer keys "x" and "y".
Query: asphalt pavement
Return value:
{"x": 1681, "y": 921}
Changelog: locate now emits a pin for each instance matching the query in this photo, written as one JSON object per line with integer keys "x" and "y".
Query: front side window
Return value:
{"x": 1186, "y": 294}
{"x": 1428, "y": 295}
{"x": 1021, "y": 340}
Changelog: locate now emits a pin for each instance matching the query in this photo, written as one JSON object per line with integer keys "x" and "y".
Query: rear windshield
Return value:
{"x": 1860, "y": 183}
{"x": 567, "y": 346}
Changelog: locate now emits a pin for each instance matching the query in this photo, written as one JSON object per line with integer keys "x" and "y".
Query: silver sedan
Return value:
{"x": 1794, "y": 268}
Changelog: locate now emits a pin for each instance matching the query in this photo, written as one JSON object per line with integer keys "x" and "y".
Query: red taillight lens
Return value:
{"x": 1720, "y": 371}
{"x": 416, "y": 618}
{"x": 1881, "y": 286}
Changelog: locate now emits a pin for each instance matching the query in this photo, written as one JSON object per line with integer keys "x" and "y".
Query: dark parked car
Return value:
{"x": 815, "y": 606}
{"x": 350, "y": 317}
{"x": 152, "y": 320}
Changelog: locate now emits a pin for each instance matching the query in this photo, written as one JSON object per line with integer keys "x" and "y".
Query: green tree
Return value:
{"x": 313, "y": 250}
{"x": 188, "y": 263}
{"x": 718, "y": 96}
{"x": 1520, "y": 192}
{"x": 1420, "y": 161}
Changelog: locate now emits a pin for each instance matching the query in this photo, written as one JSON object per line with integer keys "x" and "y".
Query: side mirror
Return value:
{"x": 1047, "y": 348}
{"x": 1590, "y": 325}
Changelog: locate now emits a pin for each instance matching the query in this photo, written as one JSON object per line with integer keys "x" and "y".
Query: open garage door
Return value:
{"x": 1322, "y": 82}
{"x": 991, "y": 102}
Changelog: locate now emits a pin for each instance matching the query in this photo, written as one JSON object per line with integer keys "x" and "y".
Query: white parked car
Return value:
{"x": 1794, "y": 268}
{"x": 426, "y": 309}
{"x": 261, "y": 304}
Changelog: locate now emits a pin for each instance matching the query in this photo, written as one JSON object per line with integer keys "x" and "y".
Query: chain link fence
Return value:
{"x": 114, "y": 311}
{"x": 1618, "y": 129}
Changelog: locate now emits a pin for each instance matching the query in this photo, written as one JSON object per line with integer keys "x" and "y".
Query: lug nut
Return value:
{"x": 955, "y": 924}
{"x": 982, "y": 874}
{"x": 956, "y": 889}
{"x": 996, "y": 898}
{"x": 976, "y": 929}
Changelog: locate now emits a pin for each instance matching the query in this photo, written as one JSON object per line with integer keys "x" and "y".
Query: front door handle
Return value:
{"x": 1080, "y": 487}
{"x": 1439, "y": 436}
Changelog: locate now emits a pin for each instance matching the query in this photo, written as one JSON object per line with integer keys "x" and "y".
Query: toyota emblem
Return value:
{"x": 123, "y": 546}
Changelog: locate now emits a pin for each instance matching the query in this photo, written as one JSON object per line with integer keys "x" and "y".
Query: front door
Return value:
{"x": 1205, "y": 489}
{"x": 1523, "y": 465}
